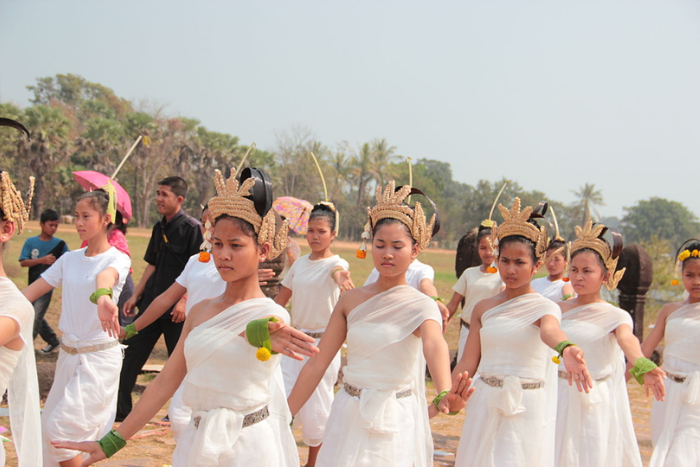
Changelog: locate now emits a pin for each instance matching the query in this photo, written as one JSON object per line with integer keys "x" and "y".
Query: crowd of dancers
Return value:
{"x": 541, "y": 367}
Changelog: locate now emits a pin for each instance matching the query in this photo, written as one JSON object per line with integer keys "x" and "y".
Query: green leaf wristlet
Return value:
{"x": 641, "y": 366}
{"x": 438, "y": 398}
{"x": 559, "y": 349}
{"x": 258, "y": 334}
{"x": 130, "y": 330}
{"x": 111, "y": 443}
{"x": 100, "y": 292}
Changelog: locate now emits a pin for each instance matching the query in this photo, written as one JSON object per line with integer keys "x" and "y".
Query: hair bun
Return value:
{"x": 261, "y": 193}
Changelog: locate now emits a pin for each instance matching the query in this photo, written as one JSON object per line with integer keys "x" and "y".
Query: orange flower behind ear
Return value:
{"x": 361, "y": 254}
{"x": 204, "y": 256}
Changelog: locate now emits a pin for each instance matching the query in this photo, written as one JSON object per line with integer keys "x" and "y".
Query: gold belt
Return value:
{"x": 563, "y": 375}
{"x": 355, "y": 392}
{"x": 89, "y": 348}
{"x": 676, "y": 378}
{"x": 465, "y": 324}
{"x": 313, "y": 335}
{"x": 250, "y": 419}
{"x": 498, "y": 383}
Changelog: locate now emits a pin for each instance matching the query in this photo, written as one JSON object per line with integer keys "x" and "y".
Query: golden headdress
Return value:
{"x": 13, "y": 207}
{"x": 591, "y": 237}
{"x": 237, "y": 201}
{"x": 515, "y": 222}
{"x": 489, "y": 223}
{"x": 390, "y": 205}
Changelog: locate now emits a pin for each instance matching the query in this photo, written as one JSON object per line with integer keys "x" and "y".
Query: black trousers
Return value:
{"x": 41, "y": 326}
{"x": 137, "y": 353}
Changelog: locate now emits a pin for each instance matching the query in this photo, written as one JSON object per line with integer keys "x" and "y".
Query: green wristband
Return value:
{"x": 559, "y": 349}
{"x": 566, "y": 297}
{"x": 100, "y": 292}
{"x": 439, "y": 397}
{"x": 111, "y": 443}
{"x": 438, "y": 299}
{"x": 258, "y": 334}
{"x": 130, "y": 330}
{"x": 641, "y": 366}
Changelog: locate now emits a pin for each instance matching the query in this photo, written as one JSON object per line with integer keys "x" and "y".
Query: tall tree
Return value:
{"x": 588, "y": 198}
{"x": 659, "y": 218}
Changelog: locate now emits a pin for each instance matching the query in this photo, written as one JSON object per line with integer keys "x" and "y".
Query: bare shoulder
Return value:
{"x": 669, "y": 308}
{"x": 486, "y": 304}
{"x": 567, "y": 305}
{"x": 200, "y": 312}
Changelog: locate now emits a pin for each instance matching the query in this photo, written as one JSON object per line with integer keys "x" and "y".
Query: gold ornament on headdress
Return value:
{"x": 325, "y": 193}
{"x": 232, "y": 201}
{"x": 390, "y": 206}
{"x": 488, "y": 223}
{"x": 515, "y": 222}
{"x": 14, "y": 208}
{"x": 590, "y": 237}
{"x": 557, "y": 238}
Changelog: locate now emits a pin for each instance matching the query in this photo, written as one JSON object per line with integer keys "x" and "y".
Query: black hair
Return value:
{"x": 483, "y": 232}
{"x": 48, "y": 215}
{"x": 556, "y": 244}
{"x": 98, "y": 200}
{"x": 390, "y": 221}
{"x": 595, "y": 253}
{"x": 323, "y": 211}
{"x": 245, "y": 226}
{"x": 119, "y": 223}
{"x": 177, "y": 184}
{"x": 693, "y": 245}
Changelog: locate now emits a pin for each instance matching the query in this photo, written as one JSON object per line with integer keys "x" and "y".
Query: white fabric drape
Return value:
{"x": 596, "y": 429}
{"x": 677, "y": 432}
{"x": 384, "y": 357}
{"x": 18, "y": 375}
{"x": 224, "y": 383}
{"x": 510, "y": 425}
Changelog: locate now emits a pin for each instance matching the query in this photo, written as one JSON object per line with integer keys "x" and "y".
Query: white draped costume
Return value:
{"x": 596, "y": 429}
{"x": 224, "y": 383}
{"x": 18, "y": 372}
{"x": 676, "y": 421}
{"x": 384, "y": 358}
{"x": 512, "y": 425}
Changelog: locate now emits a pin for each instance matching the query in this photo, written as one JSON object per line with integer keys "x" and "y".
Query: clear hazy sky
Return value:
{"x": 553, "y": 94}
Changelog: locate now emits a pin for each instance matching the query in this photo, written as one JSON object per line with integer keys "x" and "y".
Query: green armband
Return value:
{"x": 641, "y": 366}
{"x": 111, "y": 443}
{"x": 559, "y": 349}
{"x": 258, "y": 335}
{"x": 438, "y": 398}
{"x": 438, "y": 299}
{"x": 566, "y": 297}
{"x": 100, "y": 292}
{"x": 130, "y": 330}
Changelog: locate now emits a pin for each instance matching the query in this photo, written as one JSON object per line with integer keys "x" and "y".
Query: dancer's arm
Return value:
{"x": 427, "y": 287}
{"x": 654, "y": 379}
{"x": 315, "y": 367}
{"x": 138, "y": 291}
{"x": 283, "y": 296}
{"x": 654, "y": 338}
{"x": 36, "y": 289}
{"x": 107, "y": 310}
{"x": 577, "y": 371}
{"x": 159, "y": 306}
{"x": 454, "y": 304}
{"x": 472, "y": 348}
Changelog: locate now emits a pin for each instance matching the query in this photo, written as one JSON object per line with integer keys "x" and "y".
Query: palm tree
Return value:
{"x": 361, "y": 171}
{"x": 588, "y": 198}
{"x": 382, "y": 157}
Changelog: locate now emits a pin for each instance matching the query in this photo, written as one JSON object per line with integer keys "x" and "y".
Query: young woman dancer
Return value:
{"x": 240, "y": 417}
{"x": 554, "y": 287}
{"x": 314, "y": 283}
{"x": 475, "y": 284}
{"x": 81, "y": 403}
{"x": 675, "y": 424}
{"x": 381, "y": 417}
{"x": 17, "y": 366}
{"x": 596, "y": 429}
{"x": 510, "y": 418}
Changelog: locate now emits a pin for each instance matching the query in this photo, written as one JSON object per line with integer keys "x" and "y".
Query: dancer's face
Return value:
{"x": 393, "y": 249}
{"x": 89, "y": 222}
{"x": 485, "y": 252}
{"x": 586, "y": 273}
{"x": 236, "y": 253}
{"x": 319, "y": 234}
{"x": 556, "y": 265}
{"x": 515, "y": 264}
{"x": 691, "y": 277}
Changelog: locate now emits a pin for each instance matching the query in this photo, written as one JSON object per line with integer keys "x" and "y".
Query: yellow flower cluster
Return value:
{"x": 685, "y": 254}
{"x": 263, "y": 354}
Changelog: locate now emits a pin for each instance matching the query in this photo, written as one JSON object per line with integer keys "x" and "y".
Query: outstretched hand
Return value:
{"x": 576, "y": 369}
{"x": 456, "y": 399}
{"x": 342, "y": 278}
{"x": 90, "y": 447}
{"x": 291, "y": 342}
{"x": 108, "y": 313}
{"x": 654, "y": 383}
{"x": 265, "y": 275}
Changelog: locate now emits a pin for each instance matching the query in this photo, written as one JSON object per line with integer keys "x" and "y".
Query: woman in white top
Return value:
{"x": 595, "y": 428}
{"x": 82, "y": 400}
{"x": 675, "y": 422}
{"x": 314, "y": 283}
{"x": 17, "y": 366}
{"x": 474, "y": 285}
{"x": 555, "y": 286}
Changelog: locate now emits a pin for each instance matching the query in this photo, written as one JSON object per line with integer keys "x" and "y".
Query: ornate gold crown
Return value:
{"x": 232, "y": 201}
{"x": 515, "y": 222}
{"x": 14, "y": 208}
{"x": 591, "y": 237}
{"x": 390, "y": 205}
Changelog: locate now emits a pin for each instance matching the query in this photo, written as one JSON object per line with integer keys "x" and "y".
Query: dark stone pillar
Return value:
{"x": 634, "y": 285}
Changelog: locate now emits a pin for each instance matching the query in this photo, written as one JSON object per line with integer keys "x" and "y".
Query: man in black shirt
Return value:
{"x": 175, "y": 238}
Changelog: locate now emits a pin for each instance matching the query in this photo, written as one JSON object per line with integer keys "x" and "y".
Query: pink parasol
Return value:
{"x": 295, "y": 210}
{"x": 91, "y": 180}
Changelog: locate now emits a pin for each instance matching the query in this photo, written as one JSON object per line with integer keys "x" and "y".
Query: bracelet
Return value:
{"x": 111, "y": 443}
{"x": 566, "y": 297}
{"x": 559, "y": 349}
{"x": 438, "y": 299}
{"x": 438, "y": 398}
{"x": 100, "y": 292}
{"x": 336, "y": 269}
{"x": 258, "y": 335}
{"x": 130, "y": 330}
{"x": 641, "y": 366}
